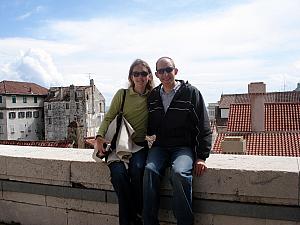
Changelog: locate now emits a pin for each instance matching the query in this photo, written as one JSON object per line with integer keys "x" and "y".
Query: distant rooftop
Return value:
{"x": 21, "y": 88}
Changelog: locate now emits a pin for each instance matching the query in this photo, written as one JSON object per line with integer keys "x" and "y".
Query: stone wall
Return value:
{"x": 65, "y": 186}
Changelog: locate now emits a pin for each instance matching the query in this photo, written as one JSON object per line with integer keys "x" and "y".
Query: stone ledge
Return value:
{"x": 241, "y": 178}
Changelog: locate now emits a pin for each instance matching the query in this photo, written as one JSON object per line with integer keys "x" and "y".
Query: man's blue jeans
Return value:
{"x": 128, "y": 184}
{"x": 181, "y": 160}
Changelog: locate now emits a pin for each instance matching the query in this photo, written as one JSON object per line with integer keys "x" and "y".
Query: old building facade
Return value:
{"x": 83, "y": 105}
{"x": 21, "y": 111}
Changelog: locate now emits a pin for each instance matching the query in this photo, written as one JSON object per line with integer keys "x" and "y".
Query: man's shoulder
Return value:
{"x": 189, "y": 87}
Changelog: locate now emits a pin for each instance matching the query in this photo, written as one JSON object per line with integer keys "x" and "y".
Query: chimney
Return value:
{"x": 298, "y": 87}
{"x": 72, "y": 92}
{"x": 233, "y": 145}
{"x": 91, "y": 82}
{"x": 257, "y": 93}
{"x": 61, "y": 96}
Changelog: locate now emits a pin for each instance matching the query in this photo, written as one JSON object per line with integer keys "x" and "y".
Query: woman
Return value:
{"x": 128, "y": 183}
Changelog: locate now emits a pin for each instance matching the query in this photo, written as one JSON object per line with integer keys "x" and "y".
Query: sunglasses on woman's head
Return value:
{"x": 137, "y": 74}
{"x": 167, "y": 70}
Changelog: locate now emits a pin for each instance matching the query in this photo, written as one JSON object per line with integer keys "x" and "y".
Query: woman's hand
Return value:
{"x": 99, "y": 145}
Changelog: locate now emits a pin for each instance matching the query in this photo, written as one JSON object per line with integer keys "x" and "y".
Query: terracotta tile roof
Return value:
{"x": 278, "y": 117}
{"x": 239, "y": 118}
{"x": 21, "y": 88}
{"x": 58, "y": 144}
{"x": 270, "y": 97}
{"x": 266, "y": 143}
{"x": 282, "y": 117}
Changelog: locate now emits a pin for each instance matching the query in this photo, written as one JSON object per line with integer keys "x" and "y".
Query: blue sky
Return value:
{"x": 219, "y": 46}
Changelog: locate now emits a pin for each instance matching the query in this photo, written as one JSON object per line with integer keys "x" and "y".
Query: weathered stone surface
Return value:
{"x": 2, "y": 165}
{"x": 280, "y": 222}
{"x": 81, "y": 205}
{"x": 93, "y": 175}
{"x": 83, "y": 218}
{"x": 27, "y": 214}
{"x": 234, "y": 220}
{"x": 52, "y": 170}
{"x": 250, "y": 178}
{"x": 25, "y": 198}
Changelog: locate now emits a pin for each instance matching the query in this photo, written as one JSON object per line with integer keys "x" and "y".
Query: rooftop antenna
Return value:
{"x": 284, "y": 83}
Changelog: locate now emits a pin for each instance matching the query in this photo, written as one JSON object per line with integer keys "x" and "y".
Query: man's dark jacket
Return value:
{"x": 185, "y": 123}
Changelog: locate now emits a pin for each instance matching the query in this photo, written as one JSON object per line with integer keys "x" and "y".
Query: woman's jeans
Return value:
{"x": 128, "y": 184}
{"x": 180, "y": 159}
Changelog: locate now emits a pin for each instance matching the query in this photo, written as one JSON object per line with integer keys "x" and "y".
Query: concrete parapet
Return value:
{"x": 65, "y": 186}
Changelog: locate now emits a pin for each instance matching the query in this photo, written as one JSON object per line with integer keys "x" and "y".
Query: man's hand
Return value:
{"x": 199, "y": 167}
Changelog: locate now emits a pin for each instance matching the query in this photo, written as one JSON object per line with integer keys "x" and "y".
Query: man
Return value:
{"x": 178, "y": 118}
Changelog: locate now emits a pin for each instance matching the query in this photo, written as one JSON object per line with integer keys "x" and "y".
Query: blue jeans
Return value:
{"x": 128, "y": 184}
{"x": 181, "y": 160}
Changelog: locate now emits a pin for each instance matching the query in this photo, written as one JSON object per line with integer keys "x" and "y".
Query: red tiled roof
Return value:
{"x": 282, "y": 117}
{"x": 278, "y": 117}
{"x": 270, "y": 97}
{"x": 58, "y": 144}
{"x": 239, "y": 118}
{"x": 266, "y": 143}
{"x": 22, "y": 88}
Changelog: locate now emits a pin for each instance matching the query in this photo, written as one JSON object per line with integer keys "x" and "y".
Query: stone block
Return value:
{"x": 203, "y": 219}
{"x": 250, "y": 179}
{"x": 83, "y": 218}
{"x": 91, "y": 174}
{"x": 2, "y": 165}
{"x": 81, "y": 205}
{"x": 53, "y": 171}
{"x": 27, "y": 214}
{"x": 24, "y": 198}
{"x": 234, "y": 220}
{"x": 280, "y": 222}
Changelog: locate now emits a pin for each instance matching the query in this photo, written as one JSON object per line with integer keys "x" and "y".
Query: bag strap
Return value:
{"x": 123, "y": 100}
{"x": 119, "y": 121}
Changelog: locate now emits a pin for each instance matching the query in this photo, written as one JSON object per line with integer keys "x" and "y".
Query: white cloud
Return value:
{"x": 36, "y": 65}
{"x": 218, "y": 52}
{"x": 30, "y": 13}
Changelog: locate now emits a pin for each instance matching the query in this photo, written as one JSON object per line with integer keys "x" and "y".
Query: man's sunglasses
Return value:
{"x": 167, "y": 70}
{"x": 137, "y": 74}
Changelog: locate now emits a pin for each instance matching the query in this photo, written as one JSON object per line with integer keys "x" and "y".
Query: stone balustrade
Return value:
{"x": 47, "y": 186}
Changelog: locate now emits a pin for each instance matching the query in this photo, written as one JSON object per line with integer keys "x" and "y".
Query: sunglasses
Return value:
{"x": 167, "y": 70}
{"x": 142, "y": 74}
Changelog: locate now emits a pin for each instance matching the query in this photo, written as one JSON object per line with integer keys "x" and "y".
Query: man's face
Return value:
{"x": 166, "y": 72}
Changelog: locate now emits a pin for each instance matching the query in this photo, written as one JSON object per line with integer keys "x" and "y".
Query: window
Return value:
{"x": 1, "y": 130}
{"x": 36, "y": 114}
{"x": 224, "y": 113}
{"x": 13, "y": 99}
{"x": 35, "y": 99}
{"x": 77, "y": 106}
{"x": 1, "y": 115}
{"x": 0, "y": 98}
{"x": 49, "y": 120}
{"x": 67, "y": 105}
{"x": 49, "y": 106}
{"x": 28, "y": 114}
{"x": 21, "y": 115}
{"x": 24, "y": 99}
{"x": 11, "y": 115}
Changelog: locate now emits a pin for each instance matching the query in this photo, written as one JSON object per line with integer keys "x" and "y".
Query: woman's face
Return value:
{"x": 140, "y": 76}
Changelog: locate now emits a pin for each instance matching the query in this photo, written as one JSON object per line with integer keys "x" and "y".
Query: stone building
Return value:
{"x": 80, "y": 105}
{"x": 21, "y": 111}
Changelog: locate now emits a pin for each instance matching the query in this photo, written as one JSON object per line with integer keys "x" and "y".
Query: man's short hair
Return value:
{"x": 165, "y": 57}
